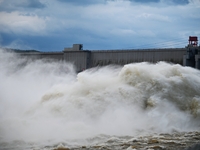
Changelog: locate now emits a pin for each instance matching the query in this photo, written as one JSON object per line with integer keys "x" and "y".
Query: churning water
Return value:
{"x": 44, "y": 103}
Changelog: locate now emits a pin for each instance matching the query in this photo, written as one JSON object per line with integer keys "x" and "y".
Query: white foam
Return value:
{"x": 47, "y": 102}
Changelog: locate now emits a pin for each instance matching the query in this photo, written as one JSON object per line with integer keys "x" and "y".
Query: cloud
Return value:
{"x": 82, "y": 2}
{"x": 173, "y": 2}
{"x": 10, "y": 5}
{"x": 195, "y": 2}
{"x": 145, "y": 1}
{"x": 101, "y": 24}
{"x": 20, "y": 23}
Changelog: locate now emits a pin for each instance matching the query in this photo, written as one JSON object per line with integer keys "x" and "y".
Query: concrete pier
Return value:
{"x": 197, "y": 61}
{"x": 192, "y": 57}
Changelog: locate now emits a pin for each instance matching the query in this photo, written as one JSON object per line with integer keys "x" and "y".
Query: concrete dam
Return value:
{"x": 85, "y": 59}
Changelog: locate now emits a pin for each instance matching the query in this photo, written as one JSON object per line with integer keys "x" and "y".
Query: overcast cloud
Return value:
{"x": 51, "y": 25}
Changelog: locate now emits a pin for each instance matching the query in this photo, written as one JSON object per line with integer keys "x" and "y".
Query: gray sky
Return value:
{"x": 51, "y": 25}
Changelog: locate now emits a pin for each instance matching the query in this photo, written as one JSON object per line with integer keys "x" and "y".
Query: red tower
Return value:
{"x": 193, "y": 40}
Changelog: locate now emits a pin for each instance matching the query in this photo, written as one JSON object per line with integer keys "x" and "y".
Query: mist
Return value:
{"x": 48, "y": 102}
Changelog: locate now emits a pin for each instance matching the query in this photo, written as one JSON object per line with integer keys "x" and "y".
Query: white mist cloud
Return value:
{"x": 46, "y": 102}
{"x": 195, "y": 3}
{"x": 20, "y": 23}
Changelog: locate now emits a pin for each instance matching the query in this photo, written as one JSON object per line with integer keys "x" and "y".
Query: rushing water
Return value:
{"x": 45, "y": 104}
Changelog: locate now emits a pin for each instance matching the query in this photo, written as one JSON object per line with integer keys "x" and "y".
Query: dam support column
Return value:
{"x": 78, "y": 57}
{"x": 189, "y": 57}
{"x": 197, "y": 58}
{"x": 192, "y": 57}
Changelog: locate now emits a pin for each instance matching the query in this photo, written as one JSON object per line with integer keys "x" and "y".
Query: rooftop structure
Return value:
{"x": 193, "y": 41}
{"x": 76, "y": 47}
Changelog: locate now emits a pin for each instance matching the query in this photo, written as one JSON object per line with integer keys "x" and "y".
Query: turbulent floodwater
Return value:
{"x": 46, "y": 105}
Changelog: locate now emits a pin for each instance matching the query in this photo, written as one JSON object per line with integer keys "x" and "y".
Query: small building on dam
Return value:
{"x": 84, "y": 59}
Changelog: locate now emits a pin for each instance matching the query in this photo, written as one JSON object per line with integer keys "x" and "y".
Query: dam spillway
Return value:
{"x": 85, "y": 59}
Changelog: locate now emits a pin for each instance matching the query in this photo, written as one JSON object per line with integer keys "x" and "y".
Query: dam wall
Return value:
{"x": 122, "y": 57}
{"x": 84, "y": 59}
{"x": 80, "y": 59}
{"x": 51, "y": 56}
{"x": 192, "y": 57}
